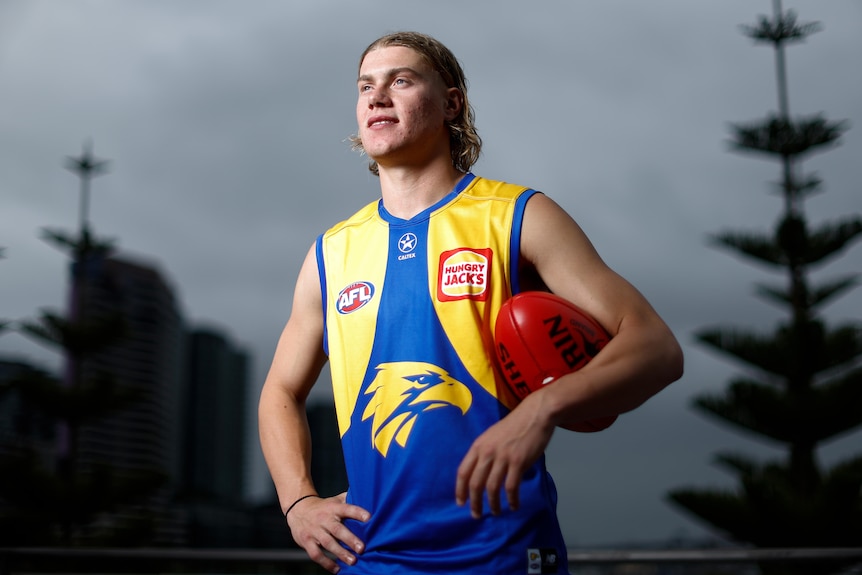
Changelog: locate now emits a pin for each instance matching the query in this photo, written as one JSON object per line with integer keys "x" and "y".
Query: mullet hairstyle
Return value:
{"x": 464, "y": 141}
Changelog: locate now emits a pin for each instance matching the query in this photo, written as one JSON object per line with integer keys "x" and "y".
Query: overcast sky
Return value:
{"x": 226, "y": 124}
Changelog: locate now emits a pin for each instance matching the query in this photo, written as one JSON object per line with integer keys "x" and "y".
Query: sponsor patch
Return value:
{"x": 354, "y": 296}
{"x": 543, "y": 560}
{"x": 463, "y": 273}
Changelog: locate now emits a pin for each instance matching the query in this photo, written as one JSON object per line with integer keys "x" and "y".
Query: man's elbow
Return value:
{"x": 674, "y": 361}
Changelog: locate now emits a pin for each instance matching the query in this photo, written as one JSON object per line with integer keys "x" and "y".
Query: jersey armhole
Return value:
{"x": 321, "y": 274}
{"x": 515, "y": 241}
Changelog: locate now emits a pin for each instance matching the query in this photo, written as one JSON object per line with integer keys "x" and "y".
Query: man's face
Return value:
{"x": 403, "y": 107}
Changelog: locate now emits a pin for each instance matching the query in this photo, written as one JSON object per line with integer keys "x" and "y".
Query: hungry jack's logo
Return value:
{"x": 402, "y": 391}
{"x": 463, "y": 273}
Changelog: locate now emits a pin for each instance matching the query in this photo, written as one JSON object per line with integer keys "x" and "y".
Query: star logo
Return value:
{"x": 407, "y": 242}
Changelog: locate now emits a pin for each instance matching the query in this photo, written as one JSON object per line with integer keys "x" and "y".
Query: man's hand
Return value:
{"x": 500, "y": 456}
{"x": 316, "y": 525}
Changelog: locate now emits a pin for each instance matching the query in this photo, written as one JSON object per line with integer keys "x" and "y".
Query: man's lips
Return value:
{"x": 381, "y": 121}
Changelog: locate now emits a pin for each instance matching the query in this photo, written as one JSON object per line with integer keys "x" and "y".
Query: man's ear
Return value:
{"x": 454, "y": 103}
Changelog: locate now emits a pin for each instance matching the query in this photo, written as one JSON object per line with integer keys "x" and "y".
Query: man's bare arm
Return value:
{"x": 315, "y": 523}
{"x": 642, "y": 358}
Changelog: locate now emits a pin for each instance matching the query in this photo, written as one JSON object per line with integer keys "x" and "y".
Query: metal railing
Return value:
{"x": 169, "y": 560}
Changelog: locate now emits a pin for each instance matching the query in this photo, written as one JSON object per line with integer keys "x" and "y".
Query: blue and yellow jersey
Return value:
{"x": 409, "y": 309}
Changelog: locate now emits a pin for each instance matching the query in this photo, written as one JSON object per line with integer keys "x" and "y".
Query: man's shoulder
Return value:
{"x": 487, "y": 188}
{"x": 363, "y": 215}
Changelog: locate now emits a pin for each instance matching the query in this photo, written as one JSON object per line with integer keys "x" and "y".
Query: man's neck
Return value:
{"x": 407, "y": 191}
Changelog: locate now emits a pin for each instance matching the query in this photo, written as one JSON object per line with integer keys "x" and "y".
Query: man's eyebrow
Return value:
{"x": 390, "y": 73}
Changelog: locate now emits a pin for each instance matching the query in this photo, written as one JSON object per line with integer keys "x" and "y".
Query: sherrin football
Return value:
{"x": 540, "y": 337}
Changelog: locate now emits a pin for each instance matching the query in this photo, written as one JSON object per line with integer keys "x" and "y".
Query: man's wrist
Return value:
{"x": 292, "y": 505}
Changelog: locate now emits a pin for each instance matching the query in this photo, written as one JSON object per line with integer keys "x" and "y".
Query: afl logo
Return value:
{"x": 354, "y": 297}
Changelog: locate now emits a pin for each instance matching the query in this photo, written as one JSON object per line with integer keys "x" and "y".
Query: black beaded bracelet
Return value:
{"x": 292, "y": 505}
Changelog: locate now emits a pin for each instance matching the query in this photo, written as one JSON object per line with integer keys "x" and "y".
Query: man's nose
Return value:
{"x": 379, "y": 97}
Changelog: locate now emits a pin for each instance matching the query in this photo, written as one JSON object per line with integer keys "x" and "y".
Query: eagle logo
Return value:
{"x": 401, "y": 392}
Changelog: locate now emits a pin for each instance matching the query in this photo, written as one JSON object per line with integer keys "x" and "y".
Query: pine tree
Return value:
{"x": 807, "y": 386}
{"x": 58, "y": 501}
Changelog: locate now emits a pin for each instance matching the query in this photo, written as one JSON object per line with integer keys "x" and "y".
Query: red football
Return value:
{"x": 539, "y": 337}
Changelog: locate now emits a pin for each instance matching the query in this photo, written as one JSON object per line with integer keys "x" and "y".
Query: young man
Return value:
{"x": 446, "y": 474}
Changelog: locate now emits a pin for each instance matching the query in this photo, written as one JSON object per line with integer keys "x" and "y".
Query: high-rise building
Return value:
{"x": 184, "y": 417}
{"x": 27, "y": 454}
{"x": 215, "y": 422}
{"x": 149, "y": 361}
{"x": 21, "y": 425}
{"x": 214, "y": 415}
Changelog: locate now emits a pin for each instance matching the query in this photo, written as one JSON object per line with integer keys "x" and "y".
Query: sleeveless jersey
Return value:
{"x": 409, "y": 309}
